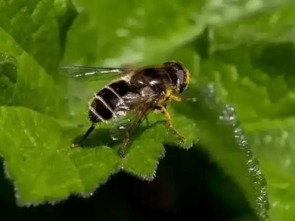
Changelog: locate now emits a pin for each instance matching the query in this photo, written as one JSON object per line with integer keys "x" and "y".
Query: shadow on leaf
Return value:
{"x": 102, "y": 137}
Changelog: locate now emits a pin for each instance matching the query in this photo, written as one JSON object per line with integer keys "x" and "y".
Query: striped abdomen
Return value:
{"x": 103, "y": 105}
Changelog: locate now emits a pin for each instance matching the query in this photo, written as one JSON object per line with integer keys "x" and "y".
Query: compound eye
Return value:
{"x": 181, "y": 81}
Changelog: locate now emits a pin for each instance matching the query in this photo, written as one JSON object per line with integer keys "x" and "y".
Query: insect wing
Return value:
{"x": 125, "y": 118}
{"x": 130, "y": 120}
{"x": 127, "y": 124}
{"x": 121, "y": 126}
{"x": 90, "y": 73}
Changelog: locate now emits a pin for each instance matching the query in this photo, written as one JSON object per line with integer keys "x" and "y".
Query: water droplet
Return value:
{"x": 228, "y": 115}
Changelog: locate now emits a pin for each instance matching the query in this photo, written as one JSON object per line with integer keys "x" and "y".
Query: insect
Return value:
{"x": 137, "y": 92}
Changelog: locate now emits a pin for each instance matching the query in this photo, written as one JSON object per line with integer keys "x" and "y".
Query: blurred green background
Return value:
{"x": 241, "y": 55}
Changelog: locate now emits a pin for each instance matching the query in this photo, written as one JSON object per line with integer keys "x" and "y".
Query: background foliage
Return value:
{"x": 241, "y": 56}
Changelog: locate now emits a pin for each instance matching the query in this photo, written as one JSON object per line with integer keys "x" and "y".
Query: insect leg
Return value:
{"x": 164, "y": 111}
{"x": 175, "y": 98}
{"x": 170, "y": 96}
{"x": 124, "y": 146}
{"x": 178, "y": 99}
{"x": 134, "y": 124}
{"x": 126, "y": 139}
{"x": 90, "y": 129}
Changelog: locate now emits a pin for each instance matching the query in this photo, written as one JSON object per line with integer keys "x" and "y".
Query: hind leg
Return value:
{"x": 90, "y": 129}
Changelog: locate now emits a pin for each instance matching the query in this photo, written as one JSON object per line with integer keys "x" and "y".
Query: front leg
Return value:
{"x": 169, "y": 95}
{"x": 175, "y": 98}
{"x": 164, "y": 111}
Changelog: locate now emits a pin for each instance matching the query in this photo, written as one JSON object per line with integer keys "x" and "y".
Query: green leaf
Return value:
{"x": 257, "y": 79}
{"x": 131, "y": 33}
{"x": 66, "y": 13}
{"x": 273, "y": 141}
{"x": 33, "y": 25}
{"x": 144, "y": 154}
{"x": 250, "y": 62}
{"x": 220, "y": 132}
{"x": 274, "y": 22}
{"x": 8, "y": 78}
{"x": 40, "y": 161}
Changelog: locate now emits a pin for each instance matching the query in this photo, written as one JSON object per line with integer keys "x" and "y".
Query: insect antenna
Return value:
{"x": 90, "y": 129}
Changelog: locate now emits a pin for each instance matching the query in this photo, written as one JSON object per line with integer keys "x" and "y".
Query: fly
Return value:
{"x": 137, "y": 92}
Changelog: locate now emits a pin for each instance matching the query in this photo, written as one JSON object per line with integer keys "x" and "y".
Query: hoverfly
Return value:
{"x": 138, "y": 91}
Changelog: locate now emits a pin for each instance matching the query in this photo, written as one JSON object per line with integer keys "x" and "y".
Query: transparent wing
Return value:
{"x": 90, "y": 73}
{"x": 127, "y": 123}
{"x": 120, "y": 126}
